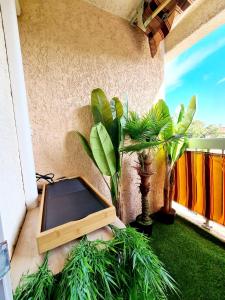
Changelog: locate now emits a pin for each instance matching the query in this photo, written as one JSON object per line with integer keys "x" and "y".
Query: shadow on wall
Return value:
{"x": 77, "y": 163}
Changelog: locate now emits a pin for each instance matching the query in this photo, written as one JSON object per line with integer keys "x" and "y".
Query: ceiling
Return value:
{"x": 122, "y": 8}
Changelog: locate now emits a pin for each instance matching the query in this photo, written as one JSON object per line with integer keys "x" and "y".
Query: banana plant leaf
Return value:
{"x": 101, "y": 109}
{"x": 116, "y": 108}
{"x": 187, "y": 117}
{"x": 103, "y": 150}
{"x": 116, "y": 129}
{"x": 86, "y": 146}
{"x": 181, "y": 113}
{"x": 176, "y": 149}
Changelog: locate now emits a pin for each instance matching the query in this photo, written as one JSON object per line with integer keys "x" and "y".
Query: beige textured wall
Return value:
{"x": 122, "y": 8}
{"x": 70, "y": 47}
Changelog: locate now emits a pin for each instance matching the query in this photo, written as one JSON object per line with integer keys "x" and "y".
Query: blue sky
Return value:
{"x": 200, "y": 71}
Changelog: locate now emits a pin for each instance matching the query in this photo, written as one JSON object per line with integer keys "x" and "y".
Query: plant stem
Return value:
{"x": 172, "y": 187}
{"x": 168, "y": 187}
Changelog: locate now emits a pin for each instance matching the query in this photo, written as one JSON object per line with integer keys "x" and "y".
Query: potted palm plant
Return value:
{"x": 145, "y": 133}
{"x": 105, "y": 139}
{"x": 158, "y": 127}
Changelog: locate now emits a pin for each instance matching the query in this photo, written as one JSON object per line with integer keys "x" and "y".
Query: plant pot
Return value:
{"x": 165, "y": 217}
{"x": 142, "y": 227}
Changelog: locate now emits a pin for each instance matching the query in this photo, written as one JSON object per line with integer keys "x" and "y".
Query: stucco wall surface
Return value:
{"x": 70, "y": 47}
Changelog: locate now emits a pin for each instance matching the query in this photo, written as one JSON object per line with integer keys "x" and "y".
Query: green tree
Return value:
{"x": 198, "y": 129}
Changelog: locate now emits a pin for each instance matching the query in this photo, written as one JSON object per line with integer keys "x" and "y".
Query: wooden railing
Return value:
{"x": 200, "y": 179}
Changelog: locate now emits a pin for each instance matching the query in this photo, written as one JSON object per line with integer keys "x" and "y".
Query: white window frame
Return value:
{"x": 10, "y": 26}
{"x": 15, "y": 66}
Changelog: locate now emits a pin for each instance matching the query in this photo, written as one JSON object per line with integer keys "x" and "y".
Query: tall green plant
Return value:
{"x": 105, "y": 140}
{"x": 157, "y": 127}
{"x": 145, "y": 133}
{"x": 176, "y": 147}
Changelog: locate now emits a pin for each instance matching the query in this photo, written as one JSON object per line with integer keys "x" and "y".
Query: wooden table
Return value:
{"x": 26, "y": 257}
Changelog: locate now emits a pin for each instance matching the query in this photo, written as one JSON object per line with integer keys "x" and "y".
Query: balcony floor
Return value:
{"x": 195, "y": 259}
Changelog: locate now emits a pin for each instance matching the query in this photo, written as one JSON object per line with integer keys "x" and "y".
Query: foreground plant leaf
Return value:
{"x": 36, "y": 286}
{"x": 124, "y": 268}
{"x": 102, "y": 149}
{"x": 87, "y": 273}
{"x": 146, "y": 277}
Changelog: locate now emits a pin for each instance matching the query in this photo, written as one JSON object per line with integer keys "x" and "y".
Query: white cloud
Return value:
{"x": 176, "y": 69}
{"x": 222, "y": 80}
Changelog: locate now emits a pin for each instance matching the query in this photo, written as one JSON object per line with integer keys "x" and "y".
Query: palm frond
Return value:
{"x": 135, "y": 127}
{"x": 140, "y": 146}
{"x": 160, "y": 120}
{"x": 156, "y": 124}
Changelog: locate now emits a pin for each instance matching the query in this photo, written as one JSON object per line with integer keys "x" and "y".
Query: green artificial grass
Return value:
{"x": 193, "y": 258}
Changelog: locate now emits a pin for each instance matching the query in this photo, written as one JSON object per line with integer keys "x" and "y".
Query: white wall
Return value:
{"x": 15, "y": 65}
{"x": 5, "y": 283}
{"x": 17, "y": 173}
{"x": 12, "y": 199}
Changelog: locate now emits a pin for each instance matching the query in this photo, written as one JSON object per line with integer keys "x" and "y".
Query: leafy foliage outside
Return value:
{"x": 124, "y": 268}
{"x": 199, "y": 129}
